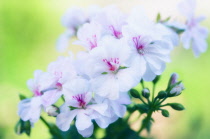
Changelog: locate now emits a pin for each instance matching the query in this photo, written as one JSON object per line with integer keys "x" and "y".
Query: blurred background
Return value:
{"x": 28, "y": 33}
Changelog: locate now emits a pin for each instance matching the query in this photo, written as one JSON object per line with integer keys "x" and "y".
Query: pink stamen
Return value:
{"x": 112, "y": 63}
{"x": 37, "y": 93}
{"x": 116, "y": 33}
{"x": 59, "y": 85}
{"x": 93, "y": 42}
{"x": 80, "y": 98}
{"x": 139, "y": 45}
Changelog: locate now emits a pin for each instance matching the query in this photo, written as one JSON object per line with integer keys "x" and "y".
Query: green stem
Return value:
{"x": 142, "y": 84}
{"x": 162, "y": 101}
{"x": 164, "y": 105}
{"x": 153, "y": 92}
{"x": 147, "y": 120}
{"x": 142, "y": 100}
{"x": 52, "y": 130}
{"x": 45, "y": 122}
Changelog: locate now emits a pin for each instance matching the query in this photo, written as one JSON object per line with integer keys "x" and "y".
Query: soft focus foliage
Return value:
{"x": 28, "y": 27}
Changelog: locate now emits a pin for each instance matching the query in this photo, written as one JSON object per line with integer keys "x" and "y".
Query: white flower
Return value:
{"x": 149, "y": 49}
{"x": 30, "y": 109}
{"x": 78, "y": 104}
{"x": 43, "y": 86}
{"x": 112, "y": 20}
{"x": 89, "y": 35}
{"x": 72, "y": 19}
{"x": 194, "y": 34}
{"x": 44, "y": 94}
{"x": 111, "y": 72}
{"x": 63, "y": 40}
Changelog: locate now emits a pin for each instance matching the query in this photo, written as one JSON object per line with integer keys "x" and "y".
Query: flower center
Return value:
{"x": 80, "y": 98}
{"x": 113, "y": 64}
{"x": 115, "y": 33}
{"x": 139, "y": 45}
{"x": 93, "y": 42}
{"x": 37, "y": 93}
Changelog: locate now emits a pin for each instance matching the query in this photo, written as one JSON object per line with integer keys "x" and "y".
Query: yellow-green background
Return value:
{"x": 28, "y": 32}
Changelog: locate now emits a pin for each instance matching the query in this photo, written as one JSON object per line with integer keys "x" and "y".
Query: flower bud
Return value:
{"x": 176, "y": 90}
{"x": 162, "y": 94}
{"x": 134, "y": 93}
{"x": 52, "y": 111}
{"x": 146, "y": 93}
{"x": 177, "y": 106}
{"x": 173, "y": 79}
{"x": 165, "y": 113}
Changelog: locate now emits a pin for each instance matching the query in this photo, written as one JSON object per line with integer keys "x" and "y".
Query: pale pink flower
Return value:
{"x": 79, "y": 104}
{"x": 111, "y": 72}
{"x": 112, "y": 20}
{"x": 89, "y": 35}
{"x": 194, "y": 34}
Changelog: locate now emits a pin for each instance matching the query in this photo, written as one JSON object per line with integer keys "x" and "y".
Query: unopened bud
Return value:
{"x": 134, "y": 93}
{"x": 173, "y": 79}
{"x": 146, "y": 93}
{"x": 165, "y": 113}
{"x": 162, "y": 94}
{"x": 52, "y": 111}
{"x": 177, "y": 106}
{"x": 176, "y": 90}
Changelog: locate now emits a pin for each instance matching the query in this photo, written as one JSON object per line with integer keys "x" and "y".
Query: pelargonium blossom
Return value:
{"x": 112, "y": 20}
{"x": 44, "y": 95}
{"x": 111, "y": 72}
{"x": 79, "y": 104}
{"x": 194, "y": 34}
{"x": 89, "y": 35}
{"x": 149, "y": 49}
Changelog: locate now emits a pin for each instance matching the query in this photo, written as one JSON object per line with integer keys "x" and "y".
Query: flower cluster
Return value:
{"x": 120, "y": 51}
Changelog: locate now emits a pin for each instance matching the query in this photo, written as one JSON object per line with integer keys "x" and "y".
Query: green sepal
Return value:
{"x": 165, "y": 113}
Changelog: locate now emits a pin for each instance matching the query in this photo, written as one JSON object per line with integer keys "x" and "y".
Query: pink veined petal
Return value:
{"x": 127, "y": 79}
{"x": 199, "y": 46}
{"x": 63, "y": 40}
{"x": 86, "y": 132}
{"x": 102, "y": 121}
{"x": 119, "y": 109}
{"x": 83, "y": 121}
{"x": 64, "y": 120}
{"x": 186, "y": 39}
{"x": 50, "y": 97}
{"x": 106, "y": 86}
{"x": 100, "y": 108}
{"x": 149, "y": 75}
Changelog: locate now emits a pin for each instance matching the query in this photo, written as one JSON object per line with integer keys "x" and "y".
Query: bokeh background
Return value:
{"x": 28, "y": 33}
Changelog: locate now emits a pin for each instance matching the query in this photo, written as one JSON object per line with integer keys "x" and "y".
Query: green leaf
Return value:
{"x": 177, "y": 30}
{"x": 167, "y": 19}
{"x": 158, "y": 18}
{"x": 23, "y": 127}
{"x": 176, "y": 106}
{"x": 22, "y": 97}
{"x": 104, "y": 73}
{"x": 121, "y": 67}
{"x": 134, "y": 93}
{"x": 165, "y": 113}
